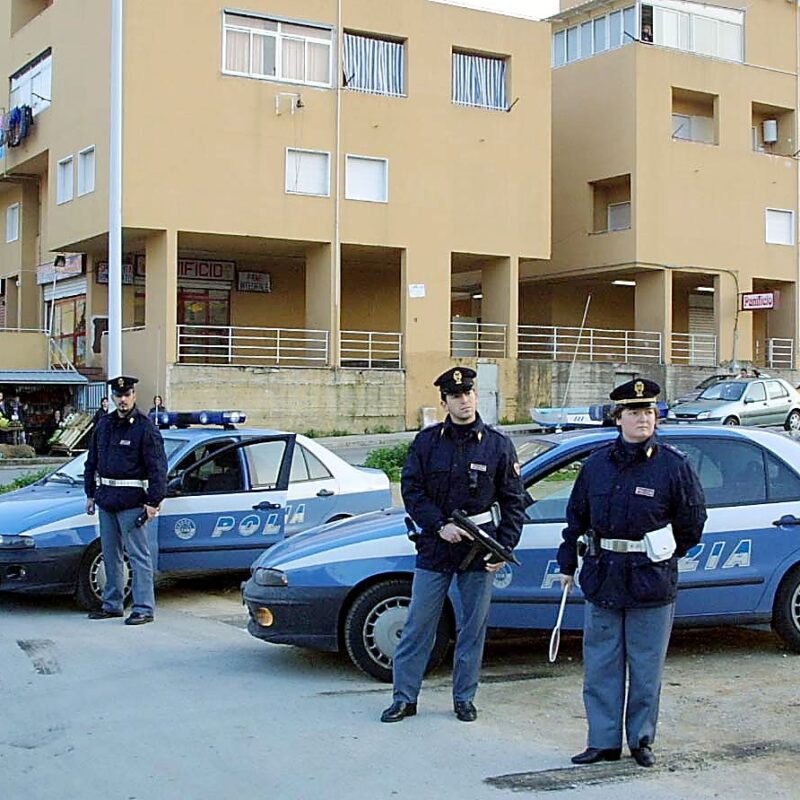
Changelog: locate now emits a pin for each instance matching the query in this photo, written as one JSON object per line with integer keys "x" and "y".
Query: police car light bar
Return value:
{"x": 182, "y": 419}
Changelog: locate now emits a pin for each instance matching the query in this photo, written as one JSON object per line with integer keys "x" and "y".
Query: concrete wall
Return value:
{"x": 23, "y": 351}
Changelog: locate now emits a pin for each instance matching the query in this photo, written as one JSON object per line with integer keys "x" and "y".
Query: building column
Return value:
{"x": 30, "y": 308}
{"x": 653, "y": 307}
{"x": 734, "y": 327}
{"x": 323, "y": 296}
{"x": 160, "y": 337}
{"x": 500, "y": 303}
{"x": 425, "y": 312}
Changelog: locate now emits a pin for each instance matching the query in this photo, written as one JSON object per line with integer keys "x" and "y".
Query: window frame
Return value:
{"x": 793, "y": 226}
{"x": 12, "y": 213}
{"x": 609, "y": 229}
{"x": 25, "y": 77}
{"x": 61, "y": 188}
{"x": 279, "y": 37}
{"x": 297, "y": 193}
{"x": 503, "y": 60}
{"x": 385, "y": 40}
{"x": 82, "y": 157}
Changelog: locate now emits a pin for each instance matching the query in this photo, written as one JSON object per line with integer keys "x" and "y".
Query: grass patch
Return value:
{"x": 389, "y": 459}
{"x": 24, "y": 480}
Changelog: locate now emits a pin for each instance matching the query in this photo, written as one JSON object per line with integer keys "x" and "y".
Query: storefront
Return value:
{"x": 63, "y": 284}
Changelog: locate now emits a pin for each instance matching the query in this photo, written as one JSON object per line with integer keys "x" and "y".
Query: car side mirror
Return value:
{"x": 174, "y": 486}
{"x": 749, "y": 400}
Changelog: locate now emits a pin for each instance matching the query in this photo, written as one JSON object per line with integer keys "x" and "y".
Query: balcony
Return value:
{"x": 588, "y": 344}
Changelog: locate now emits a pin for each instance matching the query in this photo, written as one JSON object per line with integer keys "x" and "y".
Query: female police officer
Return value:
{"x": 626, "y": 489}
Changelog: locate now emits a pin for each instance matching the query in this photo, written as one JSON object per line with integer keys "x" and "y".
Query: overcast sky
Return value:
{"x": 521, "y": 8}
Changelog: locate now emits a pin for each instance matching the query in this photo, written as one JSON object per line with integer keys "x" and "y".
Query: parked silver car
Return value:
{"x": 745, "y": 401}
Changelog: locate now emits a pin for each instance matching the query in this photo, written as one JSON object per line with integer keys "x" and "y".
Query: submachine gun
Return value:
{"x": 482, "y": 542}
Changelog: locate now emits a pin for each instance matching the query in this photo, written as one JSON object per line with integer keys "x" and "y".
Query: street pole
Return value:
{"x": 115, "y": 198}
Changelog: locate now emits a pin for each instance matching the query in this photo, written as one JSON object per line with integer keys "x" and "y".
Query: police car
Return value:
{"x": 231, "y": 494}
{"x": 347, "y": 587}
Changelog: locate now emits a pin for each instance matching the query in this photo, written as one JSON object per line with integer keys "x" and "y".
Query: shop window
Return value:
{"x": 479, "y": 81}
{"x": 260, "y": 47}
{"x": 373, "y": 64}
{"x": 367, "y": 179}
{"x": 12, "y": 222}
{"x": 694, "y": 116}
{"x": 780, "y": 226}
{"x": 68, "y": 328}
{"x": 86, "y": 171}
{"x": 612, "y": 204}
{"x": 307, "y": 172}
{"x": 64, "y": 181}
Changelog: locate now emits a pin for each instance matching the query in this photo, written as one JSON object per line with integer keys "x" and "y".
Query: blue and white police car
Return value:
{"x": 347, "y": 587}
{"x": 232, "y": 493}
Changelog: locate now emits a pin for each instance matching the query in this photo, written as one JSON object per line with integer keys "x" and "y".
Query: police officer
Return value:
{"x": 460, "y": 464}
{"x": 626, "y": 489}
{"x": 126, "y": 476}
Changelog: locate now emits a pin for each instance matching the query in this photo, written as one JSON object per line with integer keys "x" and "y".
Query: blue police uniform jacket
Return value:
{"x": 127, "y": 448}
{"x": 447, "y": 470}
{"x": 623, "y": 491}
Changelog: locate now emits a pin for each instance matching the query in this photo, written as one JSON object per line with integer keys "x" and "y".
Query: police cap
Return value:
{"x": 638, "y": 393}
{"x": 456, "y": 380}
{"x": 122, "y": 384}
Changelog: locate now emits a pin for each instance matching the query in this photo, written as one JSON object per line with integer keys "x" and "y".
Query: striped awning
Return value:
{"x": 42, "y": 377}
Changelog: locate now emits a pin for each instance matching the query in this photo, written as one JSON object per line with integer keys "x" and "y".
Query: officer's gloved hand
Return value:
{"x": 452, "y": 533}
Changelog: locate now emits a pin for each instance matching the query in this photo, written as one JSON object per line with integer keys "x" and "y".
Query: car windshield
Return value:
{"x": 533, "y": 448}
{"x": 728, "y": 390}
{"x": 714, "y": 379}
{"x": 72, "y": 471}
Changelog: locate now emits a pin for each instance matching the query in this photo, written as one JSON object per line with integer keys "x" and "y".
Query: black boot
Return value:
{"x": 398, "y": 711}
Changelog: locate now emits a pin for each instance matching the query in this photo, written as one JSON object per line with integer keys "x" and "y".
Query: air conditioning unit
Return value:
{"x": 770, "y": 131}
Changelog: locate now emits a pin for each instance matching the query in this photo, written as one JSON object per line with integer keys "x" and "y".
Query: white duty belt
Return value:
{"x": 623, "y": 546}
{"x": 492, "y": 515}
{"x": 120, "y": 483}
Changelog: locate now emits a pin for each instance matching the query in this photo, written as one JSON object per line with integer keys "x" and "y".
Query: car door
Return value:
{"x": 226, "y": 508}
{"x": 313, "y": 492}
{"x": 747, "y": 490}
{"x": 526, "y": 596}
{"x": 779, "y": 402}
{"x": 755, "y": 409}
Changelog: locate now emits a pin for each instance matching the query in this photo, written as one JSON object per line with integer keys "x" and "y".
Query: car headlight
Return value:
{"x": 269, "y": 577}
{"x": 11, "y": 542}
{"x": 670, "y": 414}
{"x": 704, "y": 415}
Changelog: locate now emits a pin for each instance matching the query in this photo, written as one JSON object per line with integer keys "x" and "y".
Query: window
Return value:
{"x": 374, "y": 65}
{"x": 619, "y": 216}
{"x": 694, "y": 116}
{"x": 560, "y": 48}
{"x": 264, "y": 461}
{"x": 780, "y": 226}
{"x": 31, "y": 86}
{"x": 572, "y": 44}
{"x": 12, "y": 223}
{"x": 615, "y": 29}
{"x": 594, "y": 36}
{"x": 367, "y": 179}
{"x": 548, "y": 496}
{"x": 586, "y": 39}
{"x": 479, "y": 81}
{"x": 629, "y": 25}
{"x": 782, "y": 482}
{"x": 64, "y": 189}
{"x": 756, "y": 393}
{"x": 86, "y": 171}
{"x": 600, "y": 42}
{"x": 306, "y": 466}
{"x": 307, "y": 172}
{"x": 259, "y": 47}
{"x": 775, "y": 390}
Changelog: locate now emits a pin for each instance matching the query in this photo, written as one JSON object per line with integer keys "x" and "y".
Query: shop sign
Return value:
{"x": 254, "y": 282}
{"x": 131, "y": 273}
{"x": 63, "y": 266}
{"x": 199, "y": 269}
{"x": 758, "y": 301}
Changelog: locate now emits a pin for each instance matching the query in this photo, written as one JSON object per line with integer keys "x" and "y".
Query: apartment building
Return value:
{"x": 675, "y": 184}
{"x": 325, "y": 203}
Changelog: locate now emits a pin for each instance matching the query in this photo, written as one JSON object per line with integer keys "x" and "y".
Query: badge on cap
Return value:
{"x": 638, "y": 387}
{"x": 120, "y": 382}
{"x": 457, "y": 376}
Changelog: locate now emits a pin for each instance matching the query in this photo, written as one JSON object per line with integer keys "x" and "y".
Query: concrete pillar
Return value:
{"x": 500, "y": 304}
{"x": 425, "y": 324}
{"x": 323, "y": 296}
{"x": 653, "y": 307}
{"x": 734, "y": 327}
{"x": 161, "y": 316}
{"x": 29, "y": 299}
{"x": 12, "y": 301}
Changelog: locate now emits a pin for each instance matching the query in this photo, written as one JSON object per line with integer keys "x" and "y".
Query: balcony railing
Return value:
{"x": 218, "y": 345}
{"x": 780, "y": 353}
{"x": 473, "y": 339}
{"x": 695, "y": 349}
{"x": 371, "y": 349}
{"x": 588, "y": 344}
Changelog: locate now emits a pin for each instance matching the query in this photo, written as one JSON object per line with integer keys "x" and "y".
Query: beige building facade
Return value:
{"x": 315, "y": 195}
{"x": 675, "y": 179}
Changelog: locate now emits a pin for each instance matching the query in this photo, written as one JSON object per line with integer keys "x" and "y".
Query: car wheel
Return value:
{"x": 786, "y": 612}
{"x": 792, "y": 421}
{"x": 92, "y": 579}
{"x": 374, "y": 623}
{"x": 730, "y": 421}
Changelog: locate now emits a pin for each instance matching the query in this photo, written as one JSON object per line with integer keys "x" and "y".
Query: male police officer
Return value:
{"x": 461, "y": 464}
{"x": 626, "y": 489}
{"x": 126, "y": 476}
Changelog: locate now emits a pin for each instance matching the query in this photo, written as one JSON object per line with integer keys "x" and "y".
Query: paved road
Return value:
{"x": 193, "y": 707}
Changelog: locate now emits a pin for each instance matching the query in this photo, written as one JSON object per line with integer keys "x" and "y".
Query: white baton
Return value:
{"x": 555, "y": 636}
